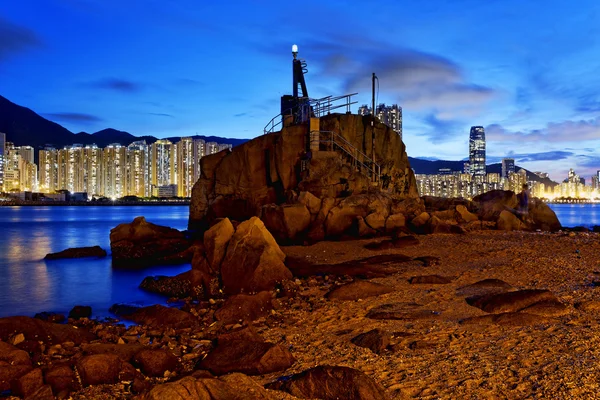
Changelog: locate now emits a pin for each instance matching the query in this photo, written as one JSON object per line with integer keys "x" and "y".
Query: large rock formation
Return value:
{"x": 258, "y": 177}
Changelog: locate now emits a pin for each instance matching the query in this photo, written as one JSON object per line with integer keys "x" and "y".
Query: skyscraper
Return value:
{"x": 162, "y": 161}
{"x": 477, "y": 151}
{"x": 389, "y": 115}
{"x": 2, "y": 145}
{"x": 508, "y": 166}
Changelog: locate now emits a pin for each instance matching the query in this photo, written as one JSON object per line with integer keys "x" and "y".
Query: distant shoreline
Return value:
{"x": 94, "y": 203}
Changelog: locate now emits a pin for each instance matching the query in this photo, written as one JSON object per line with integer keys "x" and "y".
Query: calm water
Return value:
{"x": 28, "y": 284}
{"x": 571, "y": 215}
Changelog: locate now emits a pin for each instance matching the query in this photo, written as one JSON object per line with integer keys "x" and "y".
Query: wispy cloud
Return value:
{"x": 73, "y": 117}
{"x": 117, "y": 84}
{"x": 15, "y": 39}
{"x": 161, "y": 115}
{"x": 566, "y": 131}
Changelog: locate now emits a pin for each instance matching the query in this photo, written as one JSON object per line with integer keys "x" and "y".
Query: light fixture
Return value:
{"x": 295, "y": 50}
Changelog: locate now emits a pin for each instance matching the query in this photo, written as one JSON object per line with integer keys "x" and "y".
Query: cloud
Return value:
{"x": 73, "y": 117}
{"x": 161, "y": 115}
{"x": 553, "y": 132}
{"x": 116, "y": 84}
{"x": 15, "y": 39}
{"x": 543, "y": 156}
{"x": 240, "y": 115}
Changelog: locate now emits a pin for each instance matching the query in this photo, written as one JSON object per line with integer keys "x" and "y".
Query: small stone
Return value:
{"x": 16, "y": 339}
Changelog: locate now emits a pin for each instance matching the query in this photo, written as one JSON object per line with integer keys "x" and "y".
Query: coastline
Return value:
{"x": 95, "y": 203}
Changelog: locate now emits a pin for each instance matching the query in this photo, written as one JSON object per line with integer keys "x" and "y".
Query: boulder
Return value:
{"x": 160, "y": 316}
{"x": 254, "y": 261}
{"x": 247, "y": 353}
{"x": 100, "y": 369}
{"x": 215, "y": 242}
{"x": 511, "y": 301}
{"x": 50, "y": 317}
{"x": 36, "y": 329}
{"x": 141, "y": 243}
{"x": 343, "y": 216}
{"x": 484, "y": 287}
{"x": 377, "y": 220}
{"x": 124, "y": 351}
{"x": 79, "y": 312}
{"x": 312, "y": 203}
{"x": 61, "y": 377}
{"x": 187, "y": 284}
{"x": 463, "y": 214}
{"x": 207, "y": 276}
{"x": 28, "y": 383}
{"x": 445, "y": 215}
{"x": 492, "y": 203}
{"x": 358, "y": 290}
{"x": 8, "y": 373}
{"x": 242, "y": 307}
{"x": 77, "y": 252}
{"x": 375, "y": 340}
{"x": 395, "y": 223}
{"x": 507, "y": 221}
{"x": 13, "y": 355}
{"x": 330, "y": 383}
{"x": 419, "y": 223}
{"x": 155, "y": 362}
{"x": 433, "y": 203}
{"x": 364, "y": 230}
{"x": 543, "y": 217}
{"x": 43, "y": 393}
{"x": 287, "y": 222}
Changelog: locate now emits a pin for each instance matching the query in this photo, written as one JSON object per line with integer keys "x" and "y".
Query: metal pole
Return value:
{"x": 373, "y": 129}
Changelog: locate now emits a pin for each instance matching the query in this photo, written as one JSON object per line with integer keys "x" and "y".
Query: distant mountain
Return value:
{"x": 24, "y": 127}
{"x": 428, "y": 167}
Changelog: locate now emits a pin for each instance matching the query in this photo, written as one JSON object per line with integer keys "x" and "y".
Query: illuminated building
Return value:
{"x": 48, "y": 171}
{"x": 2, "y": 146}
{"x": 389, "y": 115}
{"x": 508, "y": 166}
{"x": 138, "y": 169}
{"x": 162, "y": 162}
{"x": 477, "y": 151}
{"x": 185, "y": 166}
{"x": 115, "y": 171}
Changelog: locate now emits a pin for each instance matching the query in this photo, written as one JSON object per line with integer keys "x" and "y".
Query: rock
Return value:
{"x": 79, "y": 312}
{"x": 287, "y": 223}
{"x": 376, "y": 340}
{"x": 230, "y": 387}
{"x": 207, "y": 277}
{"x": 543, "y": 217}
{"x": 9, "y": 373}
{"x": 16, "y": 339}
{"x": 463, "y": 215}
{"x": 484, "y": 287}
{"x": 123, "y": 310}
{"x": 50, "y": 317}
{"x": 154, "y": 362}
{"x": 401, "y": 311}
{"x": 395, "y": 223}
{"x": 242, "y": 307}
{"x": 376, "y": 220}
{"x": 216, "y": 240}
{"x": 142, "y": 243}
{"x": 358, "y": 290}
{"x": 100, "y": 369}
{"x": 428, "y": 261}
{"x": 511, "y": 301}
{"x": 429, "y": 280}
{"x": 507, "y": 221}
{"x": 254, "y": 261}
{"x": 158, "y": 316}
{"x": 492, "y": 203}
{"x": 13, "y": 355}
{"x": 343, "y": 217}
{"x": 77, "y": 252}
{"x": 588, "y": 306}
{"x": 330, "y": 383}
{"x": 61, "y": 377}
{"x": 43, "y": 393}
{"x": 419, "y": 223}
{"x": 124, "y": 351}
{"x": 312, "y": 203}
{"x": 395, "y": 243}
{"x": 369, "y": 267}
{"x": 433, "y": 203}
{"x": 547, "y": 308}
{"x": 35, "y": 329}
{"x": 508, "y": 318}
{"x": 246, "y": 353}
{"x": 28, "y": 383}
{"x": 436, "y": 225}
{"x": 363, "y": 229}
{"x": 445, "y": 215}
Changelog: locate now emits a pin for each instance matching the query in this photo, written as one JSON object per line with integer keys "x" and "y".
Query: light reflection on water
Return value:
{"x": 28, "y": 284}
{"x": 571, "y": 215}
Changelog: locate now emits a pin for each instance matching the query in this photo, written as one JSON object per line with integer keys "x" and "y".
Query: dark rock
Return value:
{"x": 28, "y": 383}
{"x": 484, "y": 287}
{"x": 155, "y": 362}
{"x": 77, "y": 252}
{"x": 596, "y": 228}
{"x": 508, "y": 221}
{"x": 142, "y": 243}
{"x": 161, "y": 316}
{"x": 123, "y": 310}
{"x": 588, "y": 306}
{"x": 246, "y": 353}
{"x": 401, "y": 311}
{"x": 433, "y": 203}
{"x": 12, "y": 355}
{"x": 543, "y": 217}
{"x": 358, "y": 290}
{"x": 61, "y": 378}
{"x": 8, "y": 373}
{"x": 395, "y": 243}
{"x": 186, "y": 284}
{"x": 429, "y": 279}
{"x": 43, "y": 393}
{"x": 376, "y": 340}
{"x": 492, "y": 203}
{"x": 370, "y": 267}
{"x": 35, "y": 329}
{"x": 80, "y": 312}
{"x": 243, "y": 307}
{"x": 428, "y": 261}
{"x": 547, "y": 308}
{"x": 124, "y": 351}
{"x": 100, "y": 369}
{"x": 50, "y": 317}
{"x": 509, "y": 318}
{"x": 510, "y": 301}
{"x": 331, "y": 383}
{"x": 286, "y": 222}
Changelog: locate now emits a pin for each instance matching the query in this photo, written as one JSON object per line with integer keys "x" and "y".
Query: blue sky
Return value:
{"x": 527, "y": 71}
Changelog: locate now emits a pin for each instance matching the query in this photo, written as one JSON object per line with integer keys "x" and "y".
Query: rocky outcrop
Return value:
{"x": 36, "y": 329}
{"x": 77, "y": 252}
{"x": 276, "y": 169}
{"x": 141, "y": 243}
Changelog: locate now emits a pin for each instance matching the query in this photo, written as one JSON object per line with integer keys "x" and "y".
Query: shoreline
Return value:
{"x": 95, "y": 203}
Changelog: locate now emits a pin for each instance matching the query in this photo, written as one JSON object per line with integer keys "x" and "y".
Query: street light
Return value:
{"x": 295, "y": 51}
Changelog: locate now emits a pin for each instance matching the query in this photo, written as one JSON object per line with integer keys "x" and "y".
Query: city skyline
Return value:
{"x": 178, "y": 69}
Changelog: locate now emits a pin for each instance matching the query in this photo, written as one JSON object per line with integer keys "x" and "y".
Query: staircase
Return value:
{"x": 331, "y": 141}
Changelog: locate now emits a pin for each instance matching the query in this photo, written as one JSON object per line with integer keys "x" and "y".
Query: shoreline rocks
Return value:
{"x": 77, "y": 252}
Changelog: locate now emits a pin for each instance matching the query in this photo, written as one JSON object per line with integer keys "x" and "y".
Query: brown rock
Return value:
{"x": 484, "y": 287}
{"x": 61, "y": 377}
{"x": 419, "y": 224}
{"x": 429, "y": 280}
{"x": 507, "y": 221}
{"x": 492, "y": 203}
{"x": 588, "y": 306}
{"x": 509, "y": 318}
{"x": 124, "y": 351}
{"x": 369, "y": 267}
{"x": 464, "y": 215}
{"x": 428, "y": 261}
{"x": 154, "y": 362}
{"x": 394, "y": 223}
{"x": 364, "y": 230}
{"x": 547, "y": 308}
{"x": 376, "y": 340}
{"x": 215, "y": 242}
{"x": 12, "y": 355}
{"x": 36, "y": 329}
{"x": 43, "y": 393}
{"x": 28, "y": 383}
{"x": 77, "y": 252}
{"x": 206, "y": 276}
{"x": 8, "y": 373}
{"x": 330, "y": 383}
{"x": 445, "y": 215}
{"x": 286, "y": 222}
{"x": 543, "y": 217}
{"x": 79, "y": 312}
{"x": 161, "y": 316}
{"x": 254, "y": 261}
{"x": 358, "y": 290}
{"x": 242, "y": 307}
{"x": 312, "y": 203}
{"x": 343, "y": 216}
{"x": 511, "y": 301}
{"x": 99, "y": 369}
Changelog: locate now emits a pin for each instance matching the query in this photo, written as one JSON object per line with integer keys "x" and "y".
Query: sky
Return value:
{"x": 528, "y": 71}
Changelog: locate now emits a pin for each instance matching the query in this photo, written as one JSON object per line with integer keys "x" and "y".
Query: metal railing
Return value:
{"x": 308, "y": 108}
{"x": 359, "y": 160}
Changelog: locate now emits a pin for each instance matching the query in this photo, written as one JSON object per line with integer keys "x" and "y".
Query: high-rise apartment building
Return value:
{"x": 2, "y": 145}
{"x": 138, "y": 169}
{"x": 185, "y": 166}
{"x": 48, "y": 170}
{"x": 93, "y": 168}
{"x": 162, "y": 162}
{"x": 389, "y": 115}
{"x": 115, "y": 171}
{"x": 508, "y": 166}
{"x": 477, "y": 151}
